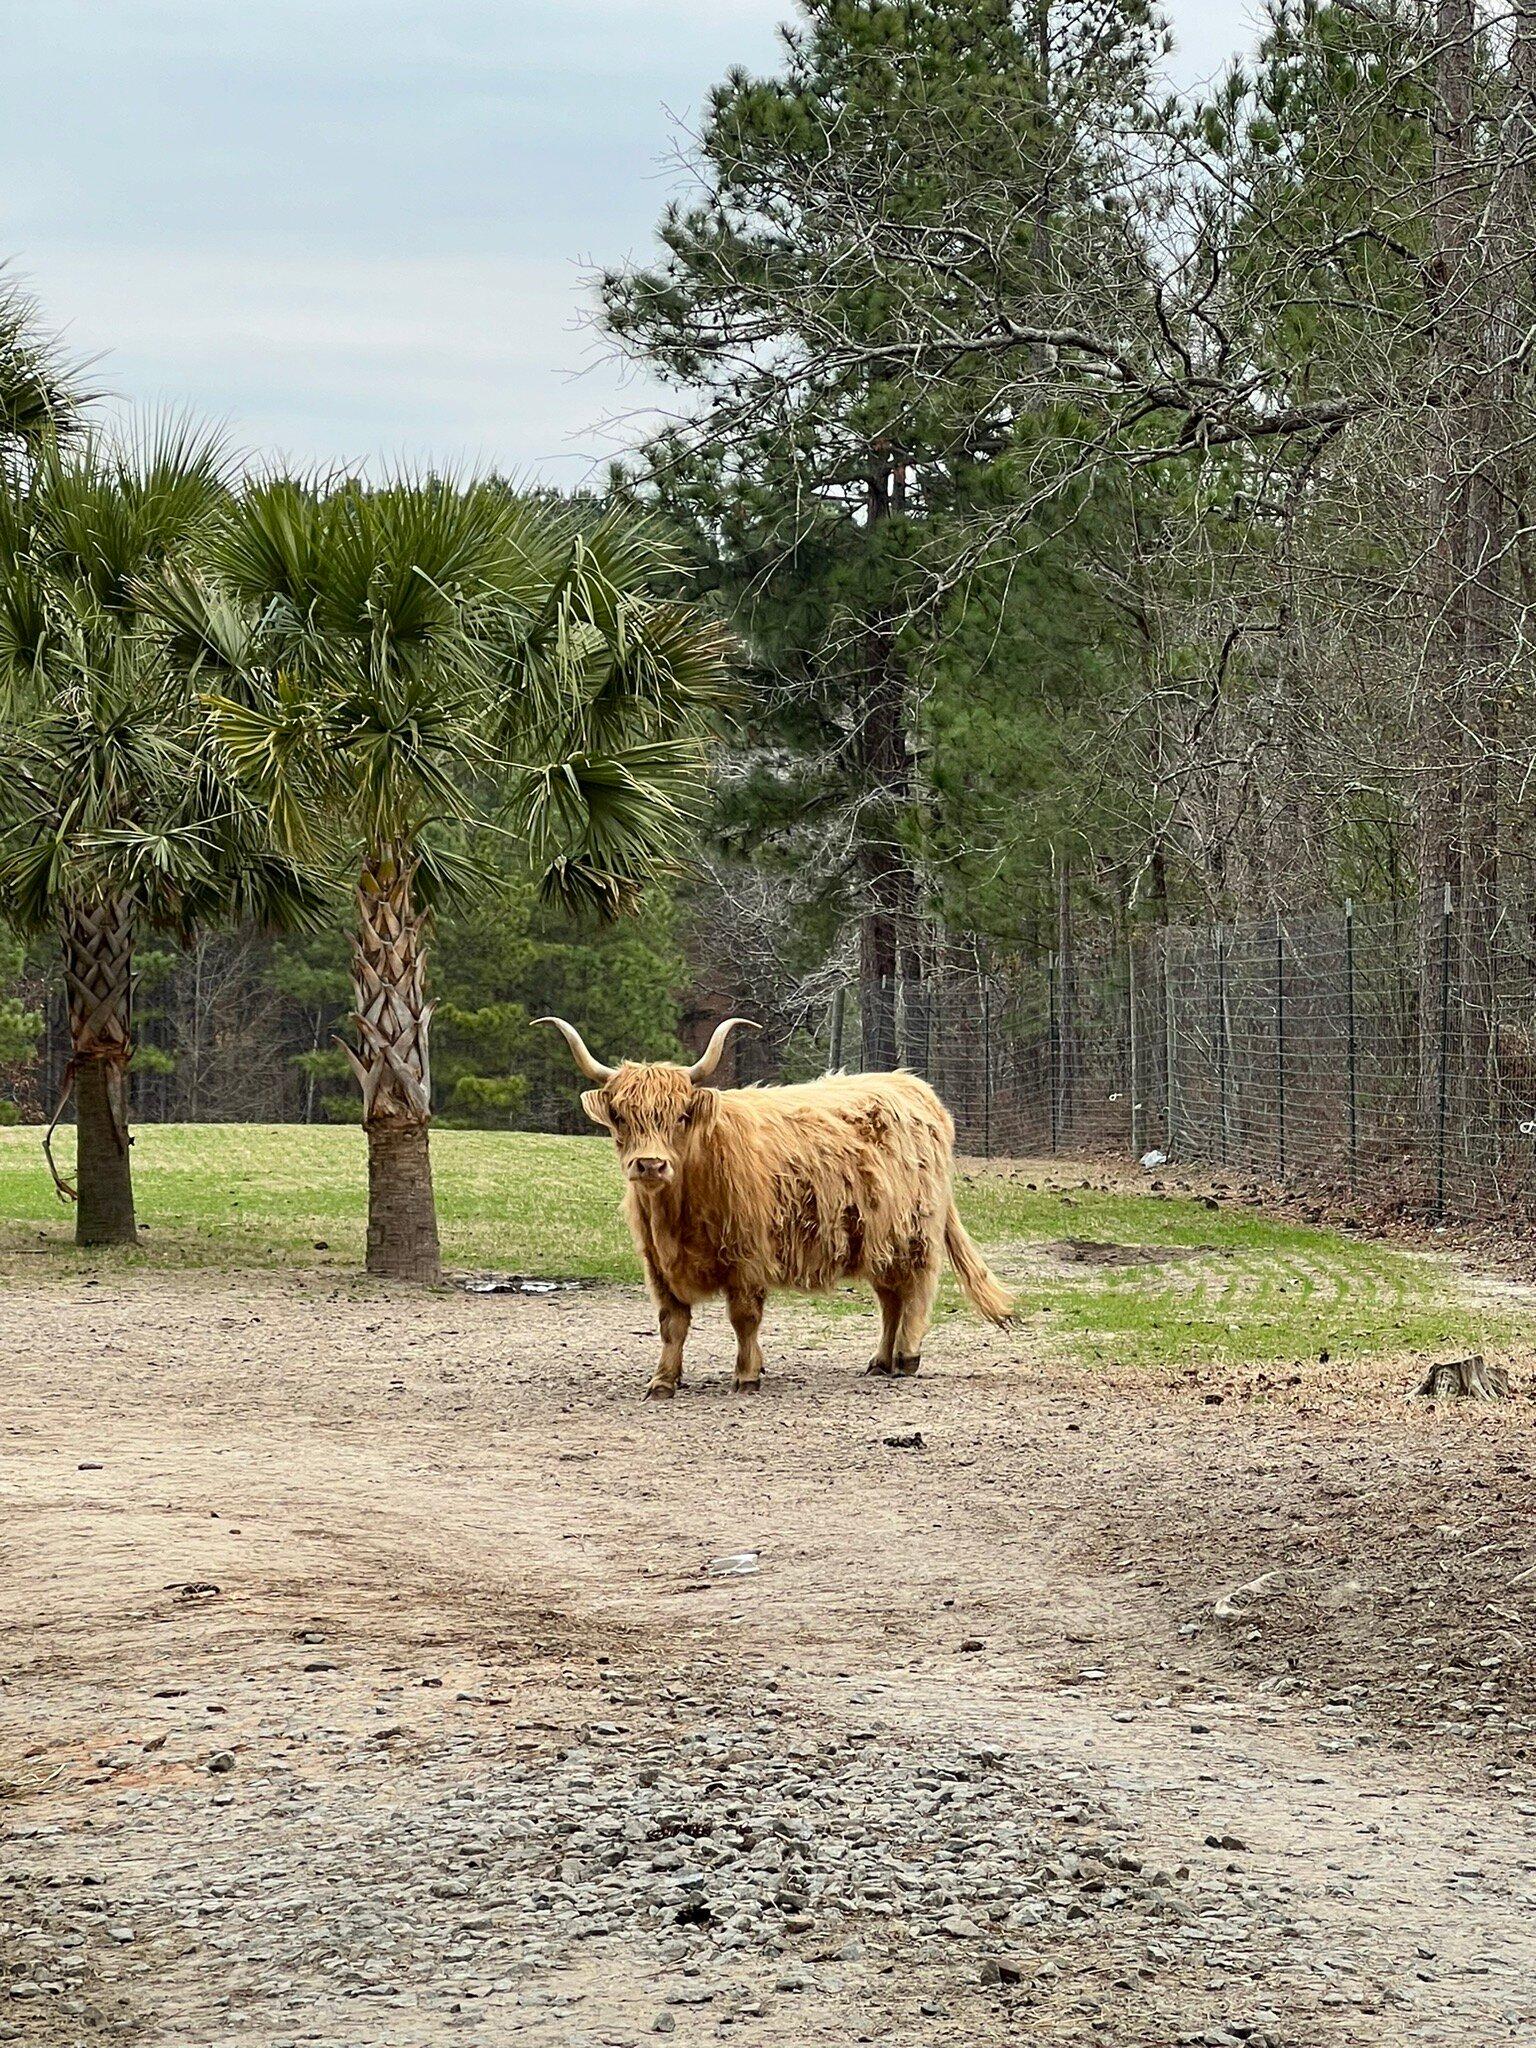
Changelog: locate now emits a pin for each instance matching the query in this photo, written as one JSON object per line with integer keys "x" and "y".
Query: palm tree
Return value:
{"x": 119, "y": 815}
{"x": 424, "y": 655}
{"x": 42, "y": 396}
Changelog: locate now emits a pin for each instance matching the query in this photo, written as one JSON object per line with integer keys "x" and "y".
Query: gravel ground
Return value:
{"x": 377, "y": 1669}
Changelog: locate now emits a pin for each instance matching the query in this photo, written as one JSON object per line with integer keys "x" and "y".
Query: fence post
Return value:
{"x": 1280, "y": 1044}
{"x": 1221, "y": 1046}
{"x": 1053, "y": 1043}
{"x": 1352, "y": 1045}
{"x": 839, "y": 1011}
{"x": 986, "y": 1067}
{"x": 1445, "y": 1049}
{"x": 1169, "y": 1042}
{"x": 1130, "y": 1009}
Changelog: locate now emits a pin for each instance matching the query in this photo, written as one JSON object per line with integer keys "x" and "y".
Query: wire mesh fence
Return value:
{"x": 1380, "y": 1053}
{"x": 1384, "y": 1053}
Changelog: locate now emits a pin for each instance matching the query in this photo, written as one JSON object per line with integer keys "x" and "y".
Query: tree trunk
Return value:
{"x": 1477, "y": 272}
{"x": 103, "y": 1168}
{"x": 1442, "y": 750}
{"x": 914, "y": 1022}
{"x": 98, "y": 982}
{"x": 888, "y": 892}
{"x": 877, "y": 984}
{"x": 402, "y": 1212}
{"x": 393, "y": 1067}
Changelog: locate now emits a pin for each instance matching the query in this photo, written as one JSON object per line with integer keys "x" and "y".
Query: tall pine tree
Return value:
{"x": 811, "y": 465}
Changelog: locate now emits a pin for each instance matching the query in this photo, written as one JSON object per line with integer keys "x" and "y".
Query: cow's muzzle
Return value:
{"x": 650, "y": 1173}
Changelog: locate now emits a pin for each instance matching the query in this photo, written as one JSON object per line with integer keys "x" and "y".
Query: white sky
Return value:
{"x": 355, "y": 229}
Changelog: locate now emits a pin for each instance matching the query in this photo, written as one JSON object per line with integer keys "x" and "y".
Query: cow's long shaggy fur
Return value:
{"x": 845, "y": 1178}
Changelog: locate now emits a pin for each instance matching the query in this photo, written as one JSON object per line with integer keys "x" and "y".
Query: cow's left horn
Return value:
{"x": 704, "y": 1067}
{"x": 593, "y": 1069}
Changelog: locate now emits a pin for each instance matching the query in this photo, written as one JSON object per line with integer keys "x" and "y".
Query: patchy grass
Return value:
{"x": 282, "y": 1194}
{"x": 1256, "y": 1289}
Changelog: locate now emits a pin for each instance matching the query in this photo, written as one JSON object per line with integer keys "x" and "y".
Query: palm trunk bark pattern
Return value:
{"x": 98, "y": 980}
{"x": 393, "y": 1066}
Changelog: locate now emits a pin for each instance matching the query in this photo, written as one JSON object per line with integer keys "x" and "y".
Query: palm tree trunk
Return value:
{"x": 393, "y": 1067}
{"x": 98, "y": 981}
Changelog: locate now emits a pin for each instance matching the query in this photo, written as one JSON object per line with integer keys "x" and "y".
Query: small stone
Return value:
{"x": 221, "y": 1760}
{"x": 959, "y": 1928}
{"x": 664, "y": 2023}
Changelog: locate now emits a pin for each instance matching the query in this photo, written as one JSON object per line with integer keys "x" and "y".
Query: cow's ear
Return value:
{"x": 592, "y": 1103}
{"x": 701, "y": 1110}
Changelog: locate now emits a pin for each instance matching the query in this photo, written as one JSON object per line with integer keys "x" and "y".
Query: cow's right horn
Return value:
{"x": 593, "y": 1069}
{"x": 705, "y": 1065}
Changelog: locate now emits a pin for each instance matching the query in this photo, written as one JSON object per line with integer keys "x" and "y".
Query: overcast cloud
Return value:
{"x": 358, "y": 229}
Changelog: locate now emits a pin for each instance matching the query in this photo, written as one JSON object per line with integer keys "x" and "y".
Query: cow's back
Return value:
{"x": 827, "y": 1178}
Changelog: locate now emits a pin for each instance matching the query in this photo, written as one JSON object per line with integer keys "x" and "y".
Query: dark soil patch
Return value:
{"x": 1089, "y": 1251}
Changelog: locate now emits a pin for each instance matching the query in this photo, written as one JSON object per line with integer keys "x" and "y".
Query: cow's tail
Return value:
{"x": 974, "y": 1274}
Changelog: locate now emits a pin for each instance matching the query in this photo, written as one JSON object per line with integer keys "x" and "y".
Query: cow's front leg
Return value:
{"x": 744, "y": 1305}
{"x": 675, "y": 1317}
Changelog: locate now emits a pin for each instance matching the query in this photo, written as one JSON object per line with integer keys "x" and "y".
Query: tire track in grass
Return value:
{"x": 1255, "y": 1307}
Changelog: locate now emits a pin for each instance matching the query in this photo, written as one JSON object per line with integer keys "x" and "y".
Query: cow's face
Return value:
{"x": 653, "y": 1111}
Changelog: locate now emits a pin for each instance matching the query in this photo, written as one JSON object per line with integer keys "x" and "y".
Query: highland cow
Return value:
{"x": 738, "y": 1191}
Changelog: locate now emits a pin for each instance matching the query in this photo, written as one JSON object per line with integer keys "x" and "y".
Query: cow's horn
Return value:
{"x": 593, "y": 1069}
{"x": 704, "y": 1067}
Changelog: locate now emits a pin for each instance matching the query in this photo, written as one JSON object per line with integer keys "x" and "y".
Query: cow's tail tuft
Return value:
{"x": 974, "y": 1274}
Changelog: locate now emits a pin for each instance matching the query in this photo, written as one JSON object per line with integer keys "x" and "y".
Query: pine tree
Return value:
{"x": 814, "y": 464}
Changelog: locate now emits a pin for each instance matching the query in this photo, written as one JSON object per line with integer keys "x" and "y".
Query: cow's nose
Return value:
{"x": 648, "y": 1169}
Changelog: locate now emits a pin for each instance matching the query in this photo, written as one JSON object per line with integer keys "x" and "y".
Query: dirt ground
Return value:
{"x": 377, "y": 1668}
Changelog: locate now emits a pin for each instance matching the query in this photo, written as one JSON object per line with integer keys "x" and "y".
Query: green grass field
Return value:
{"x": 1256, "y": 1288}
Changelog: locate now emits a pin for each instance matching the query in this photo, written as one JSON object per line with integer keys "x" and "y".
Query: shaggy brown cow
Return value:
{"x": 736, "y": 1191}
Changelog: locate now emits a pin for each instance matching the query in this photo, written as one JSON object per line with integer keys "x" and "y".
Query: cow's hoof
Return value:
{"x": 907, "y": 1367}
{"x": 883, "y": 1366}
{"x": 746, "y": 1386}
{"x": 660, "y": 1390}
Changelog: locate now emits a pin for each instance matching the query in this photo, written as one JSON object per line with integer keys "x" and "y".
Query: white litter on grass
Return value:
{"x": 739, "y": 1564}
{"x": 514, "y": 1283}
{"x": 1150, "y": 1160}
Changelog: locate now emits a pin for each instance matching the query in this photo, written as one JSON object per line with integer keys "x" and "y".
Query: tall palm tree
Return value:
{"x": 402, "y": 658}
{"x": 119, "y": 815}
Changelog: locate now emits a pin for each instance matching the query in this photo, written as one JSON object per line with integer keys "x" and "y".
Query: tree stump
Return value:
{"x": 1465, "y": 1379}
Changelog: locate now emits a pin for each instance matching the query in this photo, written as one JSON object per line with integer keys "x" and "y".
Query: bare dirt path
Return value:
{"x": 370, "y": 1676}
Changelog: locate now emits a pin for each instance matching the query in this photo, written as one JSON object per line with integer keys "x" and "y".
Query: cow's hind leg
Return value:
{"x": 890, "y": 1300}
{"x": 744, "y": 1305}
{"x": 916, "y": 1315}
{"x": 675, "y": 1318}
